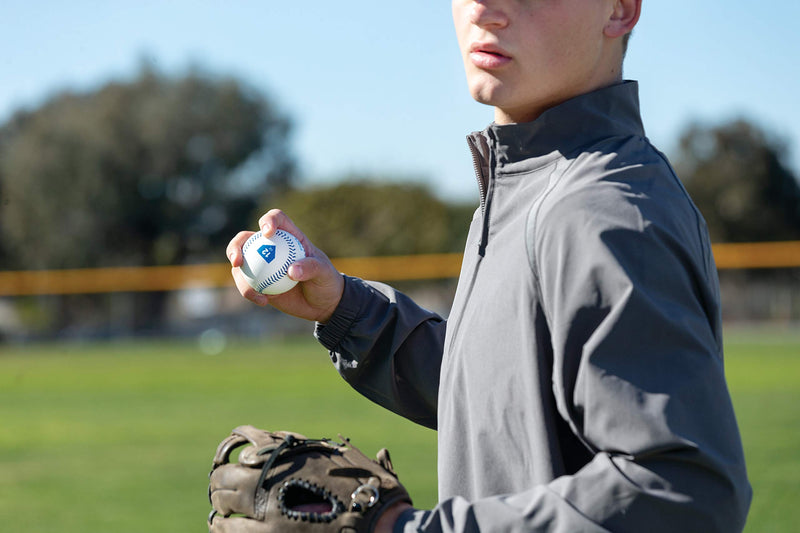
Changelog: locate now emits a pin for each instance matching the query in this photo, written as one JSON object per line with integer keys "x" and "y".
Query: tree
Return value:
{"x": 154, "y": 171}
{"x": 364, "y": 216}
{"x": 736, "y": 176}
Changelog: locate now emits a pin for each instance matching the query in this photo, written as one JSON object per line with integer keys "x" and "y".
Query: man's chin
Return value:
{"x": 490, "y": 90}
{"x": 486, "y": 94}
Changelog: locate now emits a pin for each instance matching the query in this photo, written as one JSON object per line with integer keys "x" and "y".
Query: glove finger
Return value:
{"x": 237, "y": 524}
{"x": 233, "y": 489}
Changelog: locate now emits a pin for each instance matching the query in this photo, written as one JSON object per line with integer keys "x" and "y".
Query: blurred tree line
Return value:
{"x": 153, "y": 171}
{"x": 149, "y": 172}
{"x": 365, "y": 216}
{"x": 736, "y": 174}
{"x": 164, "y": 170}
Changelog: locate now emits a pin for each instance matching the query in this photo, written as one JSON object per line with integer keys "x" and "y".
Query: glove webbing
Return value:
{"x": 288, "y": 441}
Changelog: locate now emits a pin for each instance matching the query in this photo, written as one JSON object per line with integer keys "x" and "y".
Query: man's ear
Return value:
{"x": 624, "y": 18}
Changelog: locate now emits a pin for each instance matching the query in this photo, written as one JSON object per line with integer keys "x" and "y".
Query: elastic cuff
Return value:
{"x": 409, "y": 518}
{"x": 331, "y": 334}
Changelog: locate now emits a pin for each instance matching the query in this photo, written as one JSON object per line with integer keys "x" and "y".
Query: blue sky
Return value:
{"x": 378, "y": 86}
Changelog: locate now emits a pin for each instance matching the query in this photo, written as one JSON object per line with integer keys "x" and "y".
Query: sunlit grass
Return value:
{"x": 119, "y": 436}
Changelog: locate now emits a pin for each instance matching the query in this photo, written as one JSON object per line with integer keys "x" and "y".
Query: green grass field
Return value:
{"x": 119, "y": 437}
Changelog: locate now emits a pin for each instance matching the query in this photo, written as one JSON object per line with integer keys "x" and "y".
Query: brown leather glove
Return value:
{"x": 284, "y": 482}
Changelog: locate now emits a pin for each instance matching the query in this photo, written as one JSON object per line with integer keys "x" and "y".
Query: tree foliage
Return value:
{"x": 736, "y": 176}
{"x": 157, "y": 170}
{"x": 366, "y": 217}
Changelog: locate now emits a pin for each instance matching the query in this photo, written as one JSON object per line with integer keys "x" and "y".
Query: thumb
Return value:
{"x": 311, "y": 269}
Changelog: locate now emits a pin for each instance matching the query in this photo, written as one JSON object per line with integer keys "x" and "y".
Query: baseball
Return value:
{"x": 267, "y": 261}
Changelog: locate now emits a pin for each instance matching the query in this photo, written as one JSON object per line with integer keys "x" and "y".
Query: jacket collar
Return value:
{"x": 568, "y": 127}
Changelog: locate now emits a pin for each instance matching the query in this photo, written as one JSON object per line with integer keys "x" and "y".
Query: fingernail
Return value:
{"x": 295, "y": 272}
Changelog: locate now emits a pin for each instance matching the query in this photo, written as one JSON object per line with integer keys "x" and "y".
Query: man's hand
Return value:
{"x": 320, "y": 285}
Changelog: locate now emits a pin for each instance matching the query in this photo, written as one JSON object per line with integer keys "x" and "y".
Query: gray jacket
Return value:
{"x": 578, "y": 383}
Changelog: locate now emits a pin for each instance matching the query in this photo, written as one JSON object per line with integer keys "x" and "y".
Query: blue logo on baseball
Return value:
{"x": 267, "y": 251}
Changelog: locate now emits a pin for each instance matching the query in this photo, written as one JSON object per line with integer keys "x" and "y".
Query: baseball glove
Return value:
{"x": 284, "y": 482}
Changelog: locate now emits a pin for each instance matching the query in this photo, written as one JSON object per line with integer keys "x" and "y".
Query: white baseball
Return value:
{"x": 267, "y": 261}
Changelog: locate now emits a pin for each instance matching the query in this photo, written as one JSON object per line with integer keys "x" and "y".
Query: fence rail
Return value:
{"x": 784, "y": 254}
{"x": 394, "y": 268}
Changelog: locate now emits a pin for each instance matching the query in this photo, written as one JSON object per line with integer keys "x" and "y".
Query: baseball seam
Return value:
{"x": 284, "y": 270}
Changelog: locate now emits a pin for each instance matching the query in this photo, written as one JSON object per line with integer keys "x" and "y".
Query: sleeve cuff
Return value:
{"x": 333, "y": 332}
{"x": 410, "y": 521}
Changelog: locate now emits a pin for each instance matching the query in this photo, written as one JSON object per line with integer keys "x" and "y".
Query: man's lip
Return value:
{"x": 488, "y": 56}
{"x": 488, "y": 48}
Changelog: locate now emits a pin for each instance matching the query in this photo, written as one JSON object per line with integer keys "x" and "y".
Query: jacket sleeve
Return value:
{"x": 630, "y": 294}
{"x": 387, "y": 348}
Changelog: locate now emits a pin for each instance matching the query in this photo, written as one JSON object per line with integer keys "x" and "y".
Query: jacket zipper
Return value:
{"x": 476, "y": 164}
{"x": 485, "y": 191}
{"x": 484, "y": 204}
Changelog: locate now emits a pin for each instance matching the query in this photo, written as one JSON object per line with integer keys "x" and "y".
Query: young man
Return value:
{"x": 578, "y": 383}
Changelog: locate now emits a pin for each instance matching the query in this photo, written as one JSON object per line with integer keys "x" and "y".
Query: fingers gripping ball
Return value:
{"x": 267, "y": 261}
{"x": 284, "y": 482}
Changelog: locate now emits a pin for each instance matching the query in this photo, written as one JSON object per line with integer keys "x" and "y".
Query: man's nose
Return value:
{"x": 488, "y": 14}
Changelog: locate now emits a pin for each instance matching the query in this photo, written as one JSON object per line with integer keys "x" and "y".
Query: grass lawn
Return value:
{"x": 119, "y": 437}
{"x": 763, "y": 369}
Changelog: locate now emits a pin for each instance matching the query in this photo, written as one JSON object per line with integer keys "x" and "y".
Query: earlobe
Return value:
{"x": 623, "y": 18}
